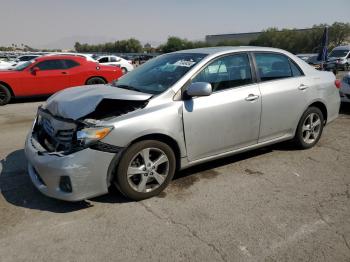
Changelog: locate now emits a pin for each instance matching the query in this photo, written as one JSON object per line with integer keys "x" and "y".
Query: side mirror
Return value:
{"x": 199, "y": 89}
{"x": 34, "y": 70}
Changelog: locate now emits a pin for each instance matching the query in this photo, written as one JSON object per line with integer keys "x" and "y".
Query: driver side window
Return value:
{"x": 226, "y": 72}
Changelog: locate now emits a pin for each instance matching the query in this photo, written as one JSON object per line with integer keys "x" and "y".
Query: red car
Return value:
{"x": 49, "y": 74}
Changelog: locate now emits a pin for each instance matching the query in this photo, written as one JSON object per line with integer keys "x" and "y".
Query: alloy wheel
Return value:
{"x": 148, "y": 170}
{"x": 311, "y": 128}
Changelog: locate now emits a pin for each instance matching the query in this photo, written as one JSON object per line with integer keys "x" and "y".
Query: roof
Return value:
{"x": 341, "y": 47}
{"x": 60, "y": 57}
{"x": 220, "y": 49}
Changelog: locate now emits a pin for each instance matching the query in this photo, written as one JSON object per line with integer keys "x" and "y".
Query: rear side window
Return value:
{"x": 113, "y": 59}
{"x": 56, "y": 64}
{"x": 273, "y": 66}
{"x": 295, "y": 69}
{"x": 226, "y": 72}
{"x": 70, "y": 63}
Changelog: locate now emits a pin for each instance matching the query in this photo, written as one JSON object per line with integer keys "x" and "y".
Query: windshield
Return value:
{"x": 23, "y": 66}
{"x": 339, "y": 53}
{"x": 158, "y": 74}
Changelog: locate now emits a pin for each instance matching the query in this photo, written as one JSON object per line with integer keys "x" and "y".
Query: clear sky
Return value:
{"x": 49, "y": 23}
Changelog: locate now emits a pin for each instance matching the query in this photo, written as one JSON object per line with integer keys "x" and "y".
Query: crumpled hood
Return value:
{"x": 77, "y": 102}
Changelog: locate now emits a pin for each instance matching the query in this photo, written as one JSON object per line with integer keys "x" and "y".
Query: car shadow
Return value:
{"x": 345, "y": 108}
{"x": 17, "y": 189}
{"x": 29, "y": 99}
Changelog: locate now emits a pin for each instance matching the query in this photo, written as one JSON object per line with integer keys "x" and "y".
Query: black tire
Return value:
{"x": 95, "y": 81}
{"x": 301, "y": 134}
{"x": 5, "y": 95}
{"x": 124, "y": 184}
{"x": 124, "y": 70}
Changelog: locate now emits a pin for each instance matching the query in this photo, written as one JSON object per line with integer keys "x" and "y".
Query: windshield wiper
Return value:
{"x": 130, "y": 88}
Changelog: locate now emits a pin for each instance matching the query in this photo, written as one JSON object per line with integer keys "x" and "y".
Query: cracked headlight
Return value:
{"x": 88, "y": 136}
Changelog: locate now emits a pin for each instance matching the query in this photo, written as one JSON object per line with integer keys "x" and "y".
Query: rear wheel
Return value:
{"x": 95, "y": 81}
{"x": 124, "y": 70}
{"x": 5, "y": 95}
{"x": 310, "y": 128}
{"x": 145, "y": 169}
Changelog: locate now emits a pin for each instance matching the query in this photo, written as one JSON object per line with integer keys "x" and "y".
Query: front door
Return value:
{"x": 50, "y": 78}
{"x": 229, "y": 118}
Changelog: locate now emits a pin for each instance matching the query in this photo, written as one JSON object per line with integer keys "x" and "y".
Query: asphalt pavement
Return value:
{"x": 271, "y": 204}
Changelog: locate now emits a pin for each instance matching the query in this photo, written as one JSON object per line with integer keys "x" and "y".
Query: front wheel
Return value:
{"x": 310, "y": 128}
{"x": 145, "y": 169}
{"x": 124, "y": 70}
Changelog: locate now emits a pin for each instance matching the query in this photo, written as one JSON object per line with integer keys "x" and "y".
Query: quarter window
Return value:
{"x": 295, "y": 69}
{"x": 51, "y": 65}
{"x": 70, "y": 63}
{"x": 226, "y": 72}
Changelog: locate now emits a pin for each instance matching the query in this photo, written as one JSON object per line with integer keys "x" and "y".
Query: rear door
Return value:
{"x": 229, "y": 118}
{"x": 284, "y": 89}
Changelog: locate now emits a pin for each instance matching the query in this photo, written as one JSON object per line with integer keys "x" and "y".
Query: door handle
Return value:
{"x": 251, "y": 97}
{"x": 303, "y": 87}
{"x": 64, "y": 73}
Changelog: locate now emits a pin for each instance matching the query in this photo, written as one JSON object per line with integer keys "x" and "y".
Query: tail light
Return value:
{"x": 337, "y": 83}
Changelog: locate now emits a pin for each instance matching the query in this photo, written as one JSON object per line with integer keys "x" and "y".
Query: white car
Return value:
{"x": 345, "y": 89}
{"x": 124, "y": 65}
{"x": 4, "y": 65}
{"x": 87, "y": 56}
{"x": 22, "y": 59}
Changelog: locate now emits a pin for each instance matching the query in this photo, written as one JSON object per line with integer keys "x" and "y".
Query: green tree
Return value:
{"x": 338, "y": 33}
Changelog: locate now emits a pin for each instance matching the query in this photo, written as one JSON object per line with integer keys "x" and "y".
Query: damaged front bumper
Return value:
{"x": 60, "y": 166}
{"x": 74, "y": 177}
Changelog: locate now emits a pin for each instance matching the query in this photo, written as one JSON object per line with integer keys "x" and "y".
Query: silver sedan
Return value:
{"x": 175, "y": 111}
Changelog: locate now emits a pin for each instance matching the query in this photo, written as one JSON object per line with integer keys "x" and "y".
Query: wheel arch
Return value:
{"x": 316, "y": 103}
{"x": 165, "y": 139}
{"x": 320, "y": 105}
{"x": 154, "y": 136}
{"x": 104, "y": 79}
{"x": 8, "y": 86}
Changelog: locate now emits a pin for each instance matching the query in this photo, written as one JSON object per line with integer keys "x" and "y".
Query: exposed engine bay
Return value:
{"x": 58, "y": 134}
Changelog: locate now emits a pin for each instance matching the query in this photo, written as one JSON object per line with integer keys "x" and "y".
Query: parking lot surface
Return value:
{"x": 272, "y": 204}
